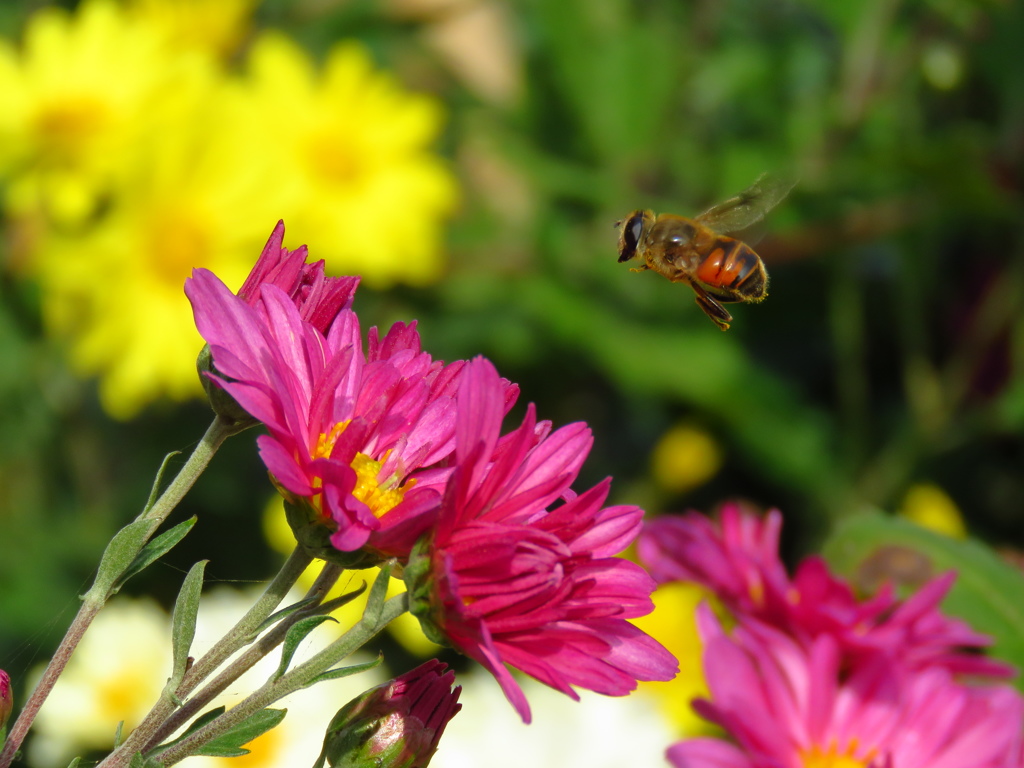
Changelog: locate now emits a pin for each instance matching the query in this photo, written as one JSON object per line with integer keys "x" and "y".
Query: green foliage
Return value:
{"x": 183, "y": 622}
{"x": 987, "y": 589}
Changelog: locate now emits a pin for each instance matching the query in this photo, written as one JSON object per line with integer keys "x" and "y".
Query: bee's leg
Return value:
{"x": 712, "y": 308}
{"x": 641, "y": 268}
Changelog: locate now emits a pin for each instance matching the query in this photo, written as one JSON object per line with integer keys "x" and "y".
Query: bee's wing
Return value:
{"x": 749, "y": 206}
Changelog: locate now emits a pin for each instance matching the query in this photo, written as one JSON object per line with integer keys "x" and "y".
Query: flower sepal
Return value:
{"x": 313, "y": 534}
{"x": 419, "y": 587}
{"x": 224, "y": 405}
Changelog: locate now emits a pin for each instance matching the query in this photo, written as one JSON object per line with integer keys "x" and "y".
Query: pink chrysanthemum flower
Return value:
{"x": 737, "y": 557}
{"x": 318, "y": 298}
{"x": 787, "y": 705}
{"x": 506, "y": 579}
{"x": 355, "y": 438}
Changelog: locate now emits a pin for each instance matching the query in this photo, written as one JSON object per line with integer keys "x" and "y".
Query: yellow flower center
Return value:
{"x": 815, "y": 757}
{"x": 335, "y": 161}
{"x": 380, "y": 497}
{"x": 177, "y": 241}
{"x": 66, "y": 126}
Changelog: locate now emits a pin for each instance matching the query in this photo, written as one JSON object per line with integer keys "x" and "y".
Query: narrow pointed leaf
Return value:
{"x": 283, "y": 613}
{"x": 154, "y": 492}
{"x": 295, "y": 635}
{"x": 156, "y": 549}
{"x": 231, "y": 743}
{"x": 335, "y": 603}
{"x": 118, "y": 557}
{"x": 195, "y": 725}
{"x": 336, "y": 674}
{"x": 183, "y": 622}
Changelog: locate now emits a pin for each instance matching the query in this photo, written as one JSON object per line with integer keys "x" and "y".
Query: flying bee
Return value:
{"x": 719, "y": 269}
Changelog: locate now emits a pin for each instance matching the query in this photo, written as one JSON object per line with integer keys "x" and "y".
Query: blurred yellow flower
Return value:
{"x": 218, "y": 27}
{"x": 131, "y": 155}
{"x": 685, "y": 458}
{"x": 191, "y": 195}
{"x": 673, "y": 624}
{"x": 931, "y": 507}
{"x": 362, "y": 185}
{"x": 116, "y": 673}
{"x": 406, "y": 628}
{"x": 82, "y": 89}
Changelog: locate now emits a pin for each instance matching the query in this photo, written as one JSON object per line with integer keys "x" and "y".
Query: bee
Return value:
{"x": 719, "y": 269}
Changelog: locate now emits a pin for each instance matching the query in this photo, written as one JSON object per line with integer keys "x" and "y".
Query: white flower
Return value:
{"x": 595, "y": 732}
{"x": 115, "y": 674}
{"x": 299, "y": 737}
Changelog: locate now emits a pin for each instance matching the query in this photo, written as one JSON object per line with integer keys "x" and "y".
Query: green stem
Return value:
{"x": 327, "y": 578}
{"x": 163, "y": 714}
{"x": 291, "y": 681}
{"x": 98, "y": 595}
{"x": 53, "y": 670}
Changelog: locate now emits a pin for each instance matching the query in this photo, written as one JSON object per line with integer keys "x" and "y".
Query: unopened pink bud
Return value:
{"x": 395, "y": 725}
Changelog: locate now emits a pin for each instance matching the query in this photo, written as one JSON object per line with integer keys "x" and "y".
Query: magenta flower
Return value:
{"x": 506, "y": 578}
{"x": 319, "y": 298}
{"x": 738, "y": 559}
{"x": 786, "y": 705}
{"x": 6, "y": 699}
{"x": 355, "y": 439}
{"x": 397, "y": 724}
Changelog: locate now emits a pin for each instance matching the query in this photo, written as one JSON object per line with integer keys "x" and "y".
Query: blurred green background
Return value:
{"x": 887, "y": 358}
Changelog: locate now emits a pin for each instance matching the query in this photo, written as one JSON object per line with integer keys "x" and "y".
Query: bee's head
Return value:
{"x": 631, "y": 231}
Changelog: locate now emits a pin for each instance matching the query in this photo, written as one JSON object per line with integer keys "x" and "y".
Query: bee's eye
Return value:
{"x": 636, "y": 226}
{"x": 631, "y": 233}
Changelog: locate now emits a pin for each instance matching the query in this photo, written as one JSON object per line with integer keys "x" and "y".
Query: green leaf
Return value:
{"x": 199, "y": 722}
{"x": 336, "y": 674}
{"x": 118, "y": 557}
{"x": 183, "y": 622}
{"x": 283, "y": 613}
{"x": 987, "y": 592}
{"x": 329, "y": 606}
{"x": 74, "y": 763}
{"x": 230, "y": 744}
{"x": 138, "y": 761}
{"x": 295, "y": 635}
{"x": 154, "y": 491}
{"x": 156, "y": 549}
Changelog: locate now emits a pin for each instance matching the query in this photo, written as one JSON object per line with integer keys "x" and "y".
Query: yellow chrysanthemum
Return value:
{"x": 188, "y": 196}
{"x": 81, "y": 90}
{"x": 216, "y": 27}
{"x": 673, "y": 624}
{"x": 362, "y": 182}
{"x": 406, "y": 628}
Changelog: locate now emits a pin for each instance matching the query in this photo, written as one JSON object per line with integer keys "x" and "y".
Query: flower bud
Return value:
{"x": 395, "y": 725}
